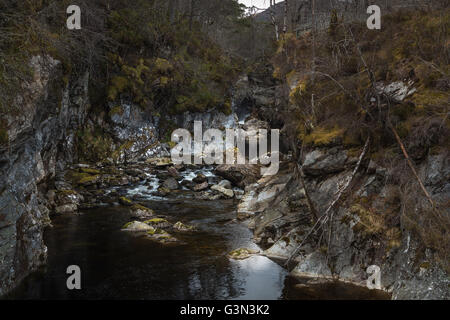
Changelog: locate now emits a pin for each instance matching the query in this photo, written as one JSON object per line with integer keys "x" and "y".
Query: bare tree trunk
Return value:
{"x": 272, "y": 16}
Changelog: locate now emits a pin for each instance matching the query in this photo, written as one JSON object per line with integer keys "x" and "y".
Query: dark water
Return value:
{"x": 119, "y": 265}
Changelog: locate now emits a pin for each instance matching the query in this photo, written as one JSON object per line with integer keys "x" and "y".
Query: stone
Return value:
{"x": 141, "y": 212}
{"x": 226, "y": 192}
{"x": 225, "y": 183}
{"x": 314, "y": 265}
{"x": 66, "y": 208}
{"x": 239, "y": 175}
{"x": 158, "y": 223}
{"x": 201, "y": 186}
{"x": 171, "y": 184}
{"x": 136, "y": 226}
{"x": 200, "y": 178}
{"x": 182, "y": 227}
{"x": 125, "y": 201}
{"x": 173, "y": 172}
{"x": 242, "y": 253}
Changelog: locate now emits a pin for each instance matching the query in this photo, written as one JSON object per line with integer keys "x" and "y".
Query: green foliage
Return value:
{"x": 93, "y": 145}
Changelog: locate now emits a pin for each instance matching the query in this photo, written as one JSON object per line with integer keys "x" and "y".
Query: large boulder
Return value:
{"x": 240, "y": 175}
{"x": 320, "y": 162}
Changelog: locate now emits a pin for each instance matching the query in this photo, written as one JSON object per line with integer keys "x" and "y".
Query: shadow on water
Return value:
{"x": 118, "y": 265}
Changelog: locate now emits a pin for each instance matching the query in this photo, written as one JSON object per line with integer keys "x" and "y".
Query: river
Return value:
{"x": 120, "y": 265}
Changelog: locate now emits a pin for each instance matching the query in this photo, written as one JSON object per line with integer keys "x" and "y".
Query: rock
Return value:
{"x": 118, "y": 181}
{"x": 133, "y": 172}
{"x": 125, "y": 201}
{"x": 200, "y": 178}
{"x": 66, "y": 208}
{"x": 227, "y": 192}
{"x": 313, "y": 265}
{"x": 163, "y": 191}
{"x": 62, "y": 185}
{"x": 242, "y": 253}
{"x": 173, "y": 172}
{"x": 68, "y": 197}
{"x": 239, "y": 194}
{"x": 158, "y": 223}
{"x": 160, "y": 162}
{"x": 171, "y": 184}
{"x": 320, "y": 162}
{"x": 240, "y": 175}
{"x": 225, "y": 183}
{"x": 182, "y": 227}
{"x": 161, "y": 236}
{"x": 207, "y": 196}
{"x": 136, "y": 226}
{"x": 141, "y": 212}
{"x": 201, "y": 186}
{"x": 397, "y": 91}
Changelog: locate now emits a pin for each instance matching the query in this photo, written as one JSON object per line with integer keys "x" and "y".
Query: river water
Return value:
{"x": 119, "y": 265}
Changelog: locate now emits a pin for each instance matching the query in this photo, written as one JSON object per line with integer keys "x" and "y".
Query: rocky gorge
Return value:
{"x": 45, "y": 179}
{"x": 97, "y": 184}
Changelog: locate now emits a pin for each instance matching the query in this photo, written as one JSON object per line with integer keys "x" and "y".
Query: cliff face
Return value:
{"x": 363, "y": 228}
{"x": 40, "y": 143}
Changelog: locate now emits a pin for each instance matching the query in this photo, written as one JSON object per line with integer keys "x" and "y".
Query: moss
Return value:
{"x": 126, "y": 225}
{"x": 155, "y": 221}
{"x": 125, "y": 201}
{"x": 81, "y": 178}
{"x": 323, "y": 136}
{"x": 370, "y": 222}
{"x": 136, "y": 207}
{"x": 67, "y": 192}
{"x": 90, "y": 171}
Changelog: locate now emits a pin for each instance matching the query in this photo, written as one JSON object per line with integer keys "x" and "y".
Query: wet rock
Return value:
{"x": 141, "y": 212}
{"x": 125, "y": 201}
{"x": 201, "y": 186}
{"x": 161, "y": 236}
{"x": 136, "y": 226}
{"x": 162, "y": 191}
{"x": 226, "y": 192}
{"x": 207, "y": 196}
{"x": 158, "y": 223}
{"x": 183, "y": 227}
{"x": 173, "y": 172}
{"x": 171, "y": 184}
{"x": 200, "y": 178}
{"x": 225, "y": 184}
{"x": 242, "y": 253}
{"x": 66, "y": 208}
